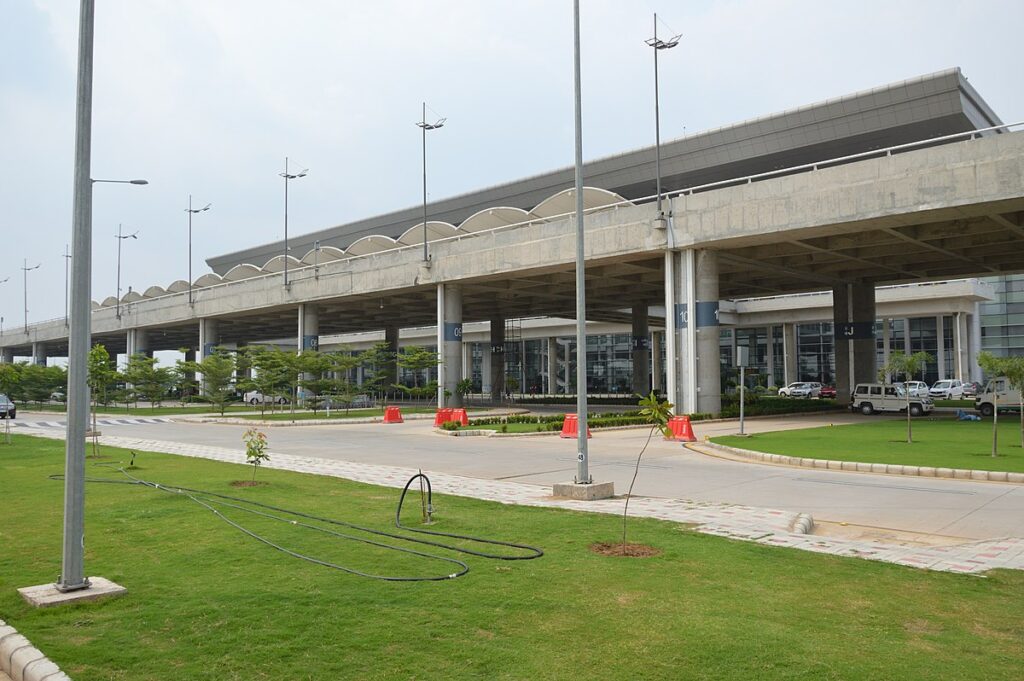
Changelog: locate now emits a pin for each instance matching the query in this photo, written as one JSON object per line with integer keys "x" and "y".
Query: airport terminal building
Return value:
{"x": 822, "y": 238}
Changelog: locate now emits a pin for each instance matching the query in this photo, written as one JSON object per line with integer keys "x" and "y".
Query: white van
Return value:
{"x": 1008, "y": 398}
{"x": 869, "y": 398}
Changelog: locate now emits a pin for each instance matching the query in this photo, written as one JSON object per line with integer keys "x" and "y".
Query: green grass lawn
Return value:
{"x": 511, "y": 427}
{"x": 286, "y": 415}
{"x": 938, "y": 442}
{"x": 959, "y": 404}
{"x": 206, "y": 602}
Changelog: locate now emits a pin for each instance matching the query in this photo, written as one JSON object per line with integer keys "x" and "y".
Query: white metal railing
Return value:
{"x": 687, "y": 191}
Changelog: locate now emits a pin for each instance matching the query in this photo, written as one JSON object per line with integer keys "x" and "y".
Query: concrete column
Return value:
{"x": 961, "y": 358}
{"x": 974, "y": 345}
{"x": 552, "y": 386}
{"x": 7, "y": 355}
{"x": 450, "y": 322}
{"x": 853, "y": 308}
{"x": 39, "y": 354}
{"x": 308, "y": 337}
{"x": 886, "y": 342}
{"x": 209, "y": 337}
{"x": 940, "y": 346}
{"x": 391, "y": 334}
{"x": 906, "y": 337}
{"x": 138, "y": 343}
{"x": 770, "y": 366}
{"x": 657, "y": 376}
{"x": 709, "y": 379}
{"x": 485, "y": 370}
{"x": 641, "y": 350}
{"x": 497, "y": 359}
{"x": 790, "y": 366}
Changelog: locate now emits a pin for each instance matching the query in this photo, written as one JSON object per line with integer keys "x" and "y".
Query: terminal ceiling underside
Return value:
{"x": 977, "y": 240}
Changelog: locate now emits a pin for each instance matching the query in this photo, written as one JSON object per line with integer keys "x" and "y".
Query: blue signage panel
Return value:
{"x": 707, "y": 313}
{"x": 682, "y": 318}
{"x": 453, "y": 331}
{"x": 311, "y": 342}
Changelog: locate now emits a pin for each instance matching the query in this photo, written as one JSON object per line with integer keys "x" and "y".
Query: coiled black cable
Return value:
{"x": 208, "y": 499}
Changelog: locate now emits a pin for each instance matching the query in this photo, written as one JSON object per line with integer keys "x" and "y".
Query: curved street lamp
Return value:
{"x": 427, "y": 126}
{"x": 192, "y": 211}
{"x": 121, "y": 237}
{"x": 659, "y": 45}
{"x": 26, "y": 269}
{"x": 288, "y": 176}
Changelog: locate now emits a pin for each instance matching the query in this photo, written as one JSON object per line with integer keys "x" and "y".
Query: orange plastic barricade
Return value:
{"x": 681, "y": 429}
{"x": 392, "y": 415}
{"x": 443, "y": 415}
{"x": 571, "y": 427}
{"x": 460, "y": 416}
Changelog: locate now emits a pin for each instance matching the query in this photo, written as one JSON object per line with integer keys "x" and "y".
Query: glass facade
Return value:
{"x": 1002, "y": 321}
{"x": 815, "y": 353}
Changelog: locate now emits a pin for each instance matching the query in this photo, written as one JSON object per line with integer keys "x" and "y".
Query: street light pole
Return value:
{"x": 658, "y": 46}
{"x": 67, "y": 264}
{"x": 582, "y": 454}
{"x": 287, "y": 176}
{"x": 25, "y": 270}
{"x": 191, "y": 211}
{"x": 426, "y": 126}
{"x": 120, "y": 238}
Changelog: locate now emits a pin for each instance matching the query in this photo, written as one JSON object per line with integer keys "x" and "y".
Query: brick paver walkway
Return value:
{"x": 747, "y": 523}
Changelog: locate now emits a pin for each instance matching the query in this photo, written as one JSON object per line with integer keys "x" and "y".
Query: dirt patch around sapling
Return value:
{"x": 248, "y": 483}
{"x": 625, "y": 551}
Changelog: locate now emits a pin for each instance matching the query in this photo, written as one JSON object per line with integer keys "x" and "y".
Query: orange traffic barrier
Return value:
{"x": 460, "y": 416}
{"x": 392, "y": 415}
{"x": 681, "y": 429}
{"x": 571, "y": 427}
{"x": 443, "y": 415}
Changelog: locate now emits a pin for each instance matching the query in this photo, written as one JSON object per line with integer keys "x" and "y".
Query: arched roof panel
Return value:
{"x": 565, "y": 202}
{"x": 179, "y": 286}
{"x": 154, "y": 292}
{"x": 208, "y": 279}
{"x": 276, "y": 264}
{"x": 435, "y": 230}
{"x": 245, "y": 271}
{"x": 371, "y": 244}
{"x": 489, "y": 218}
{"x": 109, "y": 301}
{"x": 326, "y": 254}
{"x": 131, "y": 297}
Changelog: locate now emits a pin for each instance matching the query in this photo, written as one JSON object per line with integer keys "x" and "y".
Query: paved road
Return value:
{"x": 955, "y": 508}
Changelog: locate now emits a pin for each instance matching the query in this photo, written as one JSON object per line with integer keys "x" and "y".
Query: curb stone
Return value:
{"x": 23, "y": 662}
{"x": 861, "y": 467}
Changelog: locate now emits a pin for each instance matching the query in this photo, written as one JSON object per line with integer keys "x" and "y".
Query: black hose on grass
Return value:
{"x": 208, "y": 499}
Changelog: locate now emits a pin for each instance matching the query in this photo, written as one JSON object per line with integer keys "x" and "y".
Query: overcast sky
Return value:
{"x": 208, "y": 96}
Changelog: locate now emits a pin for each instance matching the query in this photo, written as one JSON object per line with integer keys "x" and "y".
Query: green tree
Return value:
{"x": 150, "y": 382}
{"x": 10, "y": 380}
{"x": 269, "y": 373}
{"x": 218, "y": 370}
{"x": 1014, "y": 372}
{"x": 908, "y": 365}
{"x": 1012, "y": 369}
{"x": 417, "y": 360}
{"x": 39, "y": 382}
{"x": 659, "y": 412}
{"x": 380, "y": 361}
{"x": 102, "y": 375}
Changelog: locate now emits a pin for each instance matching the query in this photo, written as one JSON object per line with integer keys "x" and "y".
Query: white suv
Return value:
{"x": 947, "y": 390}
{"x": 869, "y": 398}
{"x": 255, "y": 397}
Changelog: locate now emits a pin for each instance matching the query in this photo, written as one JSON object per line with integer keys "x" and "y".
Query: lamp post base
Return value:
{"x": 584, "y": 492}
{"x": 48, "y": 595}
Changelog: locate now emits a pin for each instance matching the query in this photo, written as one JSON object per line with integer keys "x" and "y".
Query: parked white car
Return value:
{"x": 951, "y": 389}
{"x": 916, "y": 388}
{"x": 811, "y": 389}
{"x": 869, "y": 398}
{"x": 788, "y": 390}
{"x": 255, "y": 397}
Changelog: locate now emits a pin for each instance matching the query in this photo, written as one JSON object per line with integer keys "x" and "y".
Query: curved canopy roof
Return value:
{"x": 208, "y": 279}
{"x": 109, "y": 301}
{"x": 131, "y": 297}
{"x": 326, "y": 254}
{"x": 489, "y": 218}
{"x": 154, "y": 292}
{"x": 371, "y": 244}
{"x": 565, "y": 202}
{"x": 435, "y": 230}
{"x": 179, "y": 286}
{"x": 276, "y": 264}
{"x": 239, "y": 272}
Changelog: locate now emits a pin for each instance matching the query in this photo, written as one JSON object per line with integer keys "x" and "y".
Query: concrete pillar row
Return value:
{"x": 39, "y": 354}
{"x": 641, "y": 349}
{"x": 497, "y": 359}
{"x": 552, "y": 385}
{"x": 789, "y": 352}
{"x": 449, "y": 323}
